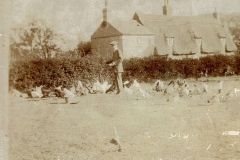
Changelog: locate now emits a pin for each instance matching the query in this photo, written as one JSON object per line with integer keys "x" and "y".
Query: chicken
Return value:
{"x": 214, "y": 98}
{"x": 196, "y": 90}
{"x": 219, "y": 87}
{"x": 128, "y": 84}
{"x": 79, "y": 86}
{"x": 73, "y": 89}
{"x": 58, "y": 91}
{"x": 127, "y": 89}
{"x": 174, "y": 95}
{"x": 102, "y": 88}
{"x": 185, "y": 90}
{"x": 158, "y": 86}
{"x": 169, "y": 90}
{"x": 67, "y": 93}
{"x": 46, "y": 92}
{"x": 144, "y": 93}
{"x": 136, "y": 84}
{"x": 205, "y": 88}
{"x": 236, "y": 90}
{"x": 37, "y": 93}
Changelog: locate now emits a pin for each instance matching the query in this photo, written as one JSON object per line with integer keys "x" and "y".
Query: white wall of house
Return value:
{"x": 138, "y": 45}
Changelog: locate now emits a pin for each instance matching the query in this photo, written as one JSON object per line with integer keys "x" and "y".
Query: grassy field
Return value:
{"x": 109, "y": 126}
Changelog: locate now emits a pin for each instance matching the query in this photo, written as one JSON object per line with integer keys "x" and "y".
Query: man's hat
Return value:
{"x": 113, "y": 43}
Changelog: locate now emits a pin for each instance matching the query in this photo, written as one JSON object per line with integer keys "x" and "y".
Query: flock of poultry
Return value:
{"x": 174, "y": 90}
{"x": 180, "y": 88}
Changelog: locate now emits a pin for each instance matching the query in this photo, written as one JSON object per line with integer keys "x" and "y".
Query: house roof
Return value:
{"x": 184, "y": 31}
{"x": 131, "y": 27}
{"x": 119, "y": 28}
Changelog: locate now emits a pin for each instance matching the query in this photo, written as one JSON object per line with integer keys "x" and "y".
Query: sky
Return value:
{"x": 76, "y": 20}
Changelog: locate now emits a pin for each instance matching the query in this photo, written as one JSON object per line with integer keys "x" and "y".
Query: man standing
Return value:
{"x": 117, "y": 65}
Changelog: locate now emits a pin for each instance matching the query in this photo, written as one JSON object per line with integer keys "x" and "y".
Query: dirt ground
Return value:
{"x": 109, "y": 126}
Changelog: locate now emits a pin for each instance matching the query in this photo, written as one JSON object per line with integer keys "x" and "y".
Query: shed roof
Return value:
{"x": 119, "y": 28}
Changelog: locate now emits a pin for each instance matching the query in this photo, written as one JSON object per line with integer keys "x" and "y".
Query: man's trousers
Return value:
{"x": 118, "y": 81}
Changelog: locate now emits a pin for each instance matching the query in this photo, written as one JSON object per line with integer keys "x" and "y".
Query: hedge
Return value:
{"x": 156, "y": 67}
{"x": 54, "y": 72}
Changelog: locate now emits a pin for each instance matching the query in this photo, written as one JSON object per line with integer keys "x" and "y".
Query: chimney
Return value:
{"x": 167, "y": 8}
{"x": 216, "y": 15}
{"x": 105, "y": 11}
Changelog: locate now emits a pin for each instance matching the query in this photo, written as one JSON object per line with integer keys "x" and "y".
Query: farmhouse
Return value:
{"x": 174, "y": 36}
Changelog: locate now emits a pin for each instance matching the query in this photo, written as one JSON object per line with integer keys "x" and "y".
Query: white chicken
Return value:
{"x": 67, "y": 93}
{"x": 126, "y": 89}
{"x": 214, "y": 98}
{"x": 219, "y": 87}
{"x": 205, "y": 88}
{"x": 236, "y": 90}
{"x": 37, "y": 93}
{"x": 144, "y": 93}
{"x": 136, "y": 84}
{"x": 79, "y": 86}
{"x": 185, "y": 90}
{"x": 196, "y": 90}
{"x": 73, "y": 89}
{"x": 102, "y": 88}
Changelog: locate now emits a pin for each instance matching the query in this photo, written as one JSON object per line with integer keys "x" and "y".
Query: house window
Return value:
{"x": 139, "y": 41}
{"x": 223, "y": 40}
{"x": 170, "y": 41}
{"x": 199, "y": 41}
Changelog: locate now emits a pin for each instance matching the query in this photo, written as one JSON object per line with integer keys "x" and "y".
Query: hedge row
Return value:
{"x": 54, "y": 72}
{"x": 152, "y": 68}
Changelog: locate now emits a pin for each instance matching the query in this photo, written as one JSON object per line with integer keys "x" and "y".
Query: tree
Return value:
{"x": 37, "y": 39}
{"x": 84, "y": 48}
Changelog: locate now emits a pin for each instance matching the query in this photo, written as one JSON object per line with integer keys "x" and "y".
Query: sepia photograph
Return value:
{"x": 120, "y": 80}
